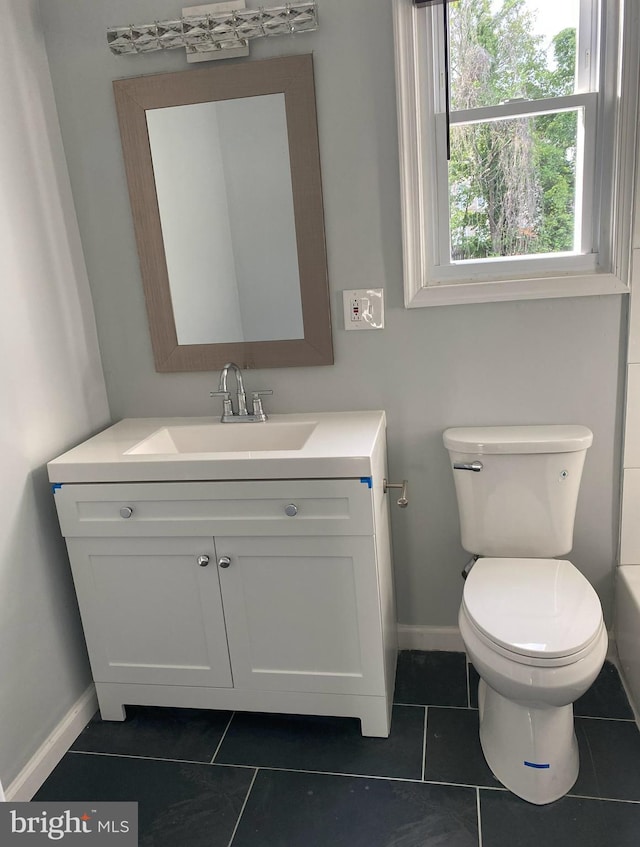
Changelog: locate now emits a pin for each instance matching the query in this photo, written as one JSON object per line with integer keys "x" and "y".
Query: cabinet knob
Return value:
{"x": 126, "y": 511}
{"x": 291, "y": 510}
{"x": 203, "y": 561}
{"x": 224, "y": 561}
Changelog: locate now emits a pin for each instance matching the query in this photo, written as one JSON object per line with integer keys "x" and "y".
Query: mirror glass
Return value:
{"x": 223, "y": 169}
{"x": 226, "y": 210}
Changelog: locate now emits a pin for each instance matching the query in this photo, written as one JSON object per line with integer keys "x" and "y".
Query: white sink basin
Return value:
{"x": 225, "y": 438}
{"x": 308, "y": 445}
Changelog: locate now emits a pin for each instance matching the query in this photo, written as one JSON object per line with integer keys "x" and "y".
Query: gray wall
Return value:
{"x": 528, "y": 362}
{"x": 53, "y": 396}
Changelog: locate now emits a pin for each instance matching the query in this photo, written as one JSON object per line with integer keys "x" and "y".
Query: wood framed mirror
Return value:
{"x": 223, "y": 169}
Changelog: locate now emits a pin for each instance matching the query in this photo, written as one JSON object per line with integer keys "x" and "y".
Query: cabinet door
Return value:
{"x": 150, "y": 612}
{"x": 303, "y": 614}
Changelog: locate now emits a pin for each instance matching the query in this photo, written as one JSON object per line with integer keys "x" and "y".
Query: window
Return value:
{"x": 536, "y": 198}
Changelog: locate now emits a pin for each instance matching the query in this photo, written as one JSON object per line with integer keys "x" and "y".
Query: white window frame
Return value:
{"x": 604, "y": 269}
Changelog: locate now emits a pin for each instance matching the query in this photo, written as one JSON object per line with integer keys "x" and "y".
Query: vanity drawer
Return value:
{"x": 261, "y": 507}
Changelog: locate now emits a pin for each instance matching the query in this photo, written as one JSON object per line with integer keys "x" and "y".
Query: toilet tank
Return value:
{"x": 521, "y": 500}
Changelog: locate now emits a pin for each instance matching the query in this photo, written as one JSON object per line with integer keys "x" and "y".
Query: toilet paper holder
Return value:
{"x": 403, "y": 500}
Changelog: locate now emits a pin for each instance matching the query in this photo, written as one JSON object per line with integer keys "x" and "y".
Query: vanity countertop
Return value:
{"x": 341, "y": 444}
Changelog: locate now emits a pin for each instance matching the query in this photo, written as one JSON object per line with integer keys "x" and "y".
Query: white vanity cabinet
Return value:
{"x": 264, "y": 595}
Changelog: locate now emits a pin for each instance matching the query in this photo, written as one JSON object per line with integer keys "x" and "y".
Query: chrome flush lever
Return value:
{"x": 468, "y": 466}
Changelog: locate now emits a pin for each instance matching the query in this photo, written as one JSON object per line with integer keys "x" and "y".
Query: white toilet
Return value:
{"x": 532, "y": 624}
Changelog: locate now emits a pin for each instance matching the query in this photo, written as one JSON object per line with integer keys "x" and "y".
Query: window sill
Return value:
{"x": 449, "y": 293}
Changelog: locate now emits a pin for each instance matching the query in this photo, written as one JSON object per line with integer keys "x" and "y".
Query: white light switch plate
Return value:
{"x": 363, "y": 308}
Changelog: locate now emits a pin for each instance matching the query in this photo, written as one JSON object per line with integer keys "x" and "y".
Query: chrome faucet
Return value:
{"x": 242, "y": 415}
{"x": 224, "y": 392}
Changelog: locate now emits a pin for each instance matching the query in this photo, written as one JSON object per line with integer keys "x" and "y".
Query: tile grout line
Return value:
{"x": 142, "y": 758}
{"x": 437, "y": 706}
{"x": 222, "y": 739}
{"x": 604, "y": 799}
{"x": 235, "y": 829}
{"x": 414, "y": 780}
{"x": 479, "y": 817}
{"x": 260, "y": 767}
{"x": 603, "y": 718}
{"x": 343, "y": 773}
{"x": 475, "y": 709}
{"x": 466, "y": 667}
{"x": 424, "y": 744}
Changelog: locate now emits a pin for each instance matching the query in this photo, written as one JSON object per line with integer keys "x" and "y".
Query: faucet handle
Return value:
{"x": 256, "y": 402}
{"x": 227, "y": 408}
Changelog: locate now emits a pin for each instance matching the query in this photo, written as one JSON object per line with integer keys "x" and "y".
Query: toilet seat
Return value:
{"x": 539, "y": 612}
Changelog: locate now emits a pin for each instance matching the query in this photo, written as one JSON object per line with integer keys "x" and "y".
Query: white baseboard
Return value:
{"x": 430, "y": 638}
{"x": 47, "y": 756}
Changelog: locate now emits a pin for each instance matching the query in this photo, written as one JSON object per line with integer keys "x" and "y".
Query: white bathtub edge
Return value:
{"x": 627, "y": 632}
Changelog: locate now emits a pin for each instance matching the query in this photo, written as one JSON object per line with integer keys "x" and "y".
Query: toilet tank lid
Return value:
{"x": 555, "y": 438}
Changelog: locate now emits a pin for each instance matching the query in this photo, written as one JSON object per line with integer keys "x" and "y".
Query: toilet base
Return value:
{"x": 532, "y": 751}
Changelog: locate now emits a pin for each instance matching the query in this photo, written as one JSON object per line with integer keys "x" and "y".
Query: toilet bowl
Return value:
{"x": 532, "y": 624}
{"x": 534, "y": 631}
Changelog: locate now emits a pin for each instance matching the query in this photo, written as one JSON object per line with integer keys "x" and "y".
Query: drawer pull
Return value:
{"x": 224, "y": 561}
{"x": 291, "y": 510}
{"x": 126, "y": 511}
{"x": 203, "y": 561}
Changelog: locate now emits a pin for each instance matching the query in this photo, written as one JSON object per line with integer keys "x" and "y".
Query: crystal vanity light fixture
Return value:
{"x": 214, "y": 29}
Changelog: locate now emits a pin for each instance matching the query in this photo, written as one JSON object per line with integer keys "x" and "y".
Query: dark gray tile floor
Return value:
{"x": 251, "y": 780}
